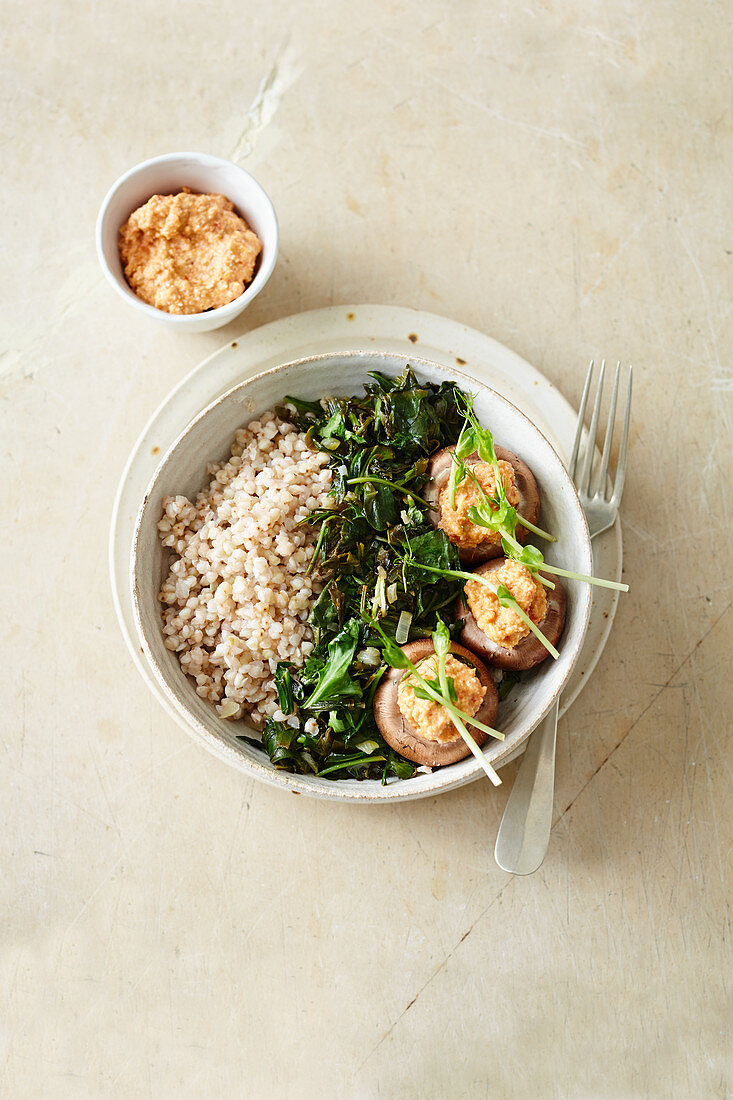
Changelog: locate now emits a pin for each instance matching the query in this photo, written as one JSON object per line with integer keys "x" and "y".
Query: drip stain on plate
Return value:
{"x": 412, "y": 337}
{"x": 461, "y": 362}
{"x": 350, "y": 316}
{"x": 155, "y": 450}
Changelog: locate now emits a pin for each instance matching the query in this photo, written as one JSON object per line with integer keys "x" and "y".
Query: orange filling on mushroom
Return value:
{"x": 502, "y": 624}
{"x": 187, "y": 253}
{"x": 431, "y": 720}
{"x": 455, "y": 521}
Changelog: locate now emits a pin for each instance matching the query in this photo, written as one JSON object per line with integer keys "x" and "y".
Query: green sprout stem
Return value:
{"x": 465, "y": 444}
{"x": 480, "y": 756}
{"x": 352, "y": 762}
{"x": 443, "y": 675}
{"x": 319, "y": 542}
{"x": 617, "y": 585}
{"x": 390, "y": 484}
{"x": 508, "y": 536}
{"x": 536, "y": 530}
{"x": 505, "y": 601}
{"x": 536, "y": 630}
{"x": 599, "y": 581}
{"x": 544, "y": 580}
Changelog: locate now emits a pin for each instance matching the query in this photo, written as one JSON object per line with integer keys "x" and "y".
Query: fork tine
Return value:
{"x": 618, "y": 486}
{"x": 605, "y": 457}
{"x": 586, "y": 476}
{"x": 581, "y": 418}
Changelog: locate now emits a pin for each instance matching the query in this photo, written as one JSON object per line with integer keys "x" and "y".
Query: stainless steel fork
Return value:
{"x": 600, "y": 508}
{"x": 524, "y": 833}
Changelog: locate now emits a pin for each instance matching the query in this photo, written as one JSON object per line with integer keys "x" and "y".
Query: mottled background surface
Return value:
{"x": 553, "y": 174}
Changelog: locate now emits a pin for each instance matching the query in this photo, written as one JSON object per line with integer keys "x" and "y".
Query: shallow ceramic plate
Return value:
{"x": 390, "y": 328}
{"x": 209, "y": 437}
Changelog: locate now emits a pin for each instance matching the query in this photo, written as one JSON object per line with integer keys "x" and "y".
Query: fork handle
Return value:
{"x": 524, "y": 833}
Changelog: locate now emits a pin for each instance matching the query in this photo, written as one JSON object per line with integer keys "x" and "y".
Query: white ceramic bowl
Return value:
{"x": 164, "y": 176}
{"x": 209, "y": 437}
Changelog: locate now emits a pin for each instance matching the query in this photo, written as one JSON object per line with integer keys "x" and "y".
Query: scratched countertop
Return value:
{"x": 552, "y": 174}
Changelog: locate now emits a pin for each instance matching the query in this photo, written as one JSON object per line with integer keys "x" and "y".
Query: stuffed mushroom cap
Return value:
{"x": 439, "y": 469}
{"x": 529, "y": 651}
{"x": 403, "y": 737}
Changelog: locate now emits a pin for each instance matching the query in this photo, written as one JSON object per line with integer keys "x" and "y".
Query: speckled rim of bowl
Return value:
{"x": 212, "y": 318}
{"x": 442, "y": 779}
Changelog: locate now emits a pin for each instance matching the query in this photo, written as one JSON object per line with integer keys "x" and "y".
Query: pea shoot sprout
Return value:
{"x": 441, "y": 694}
{"x": 502, "y": 593}
{"x": 495, "y": 513}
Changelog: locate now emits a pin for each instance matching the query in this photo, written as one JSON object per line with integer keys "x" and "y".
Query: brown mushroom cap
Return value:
{"x": 530, "y": 651}
{"x": 402, "y": 736}
{"x": 439, "y": 469}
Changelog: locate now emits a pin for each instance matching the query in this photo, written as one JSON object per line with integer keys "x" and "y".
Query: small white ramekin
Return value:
{"x": 164, "y": 176}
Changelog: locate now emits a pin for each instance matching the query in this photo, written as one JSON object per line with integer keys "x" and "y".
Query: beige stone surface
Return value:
{"x": 555, "y": 174}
